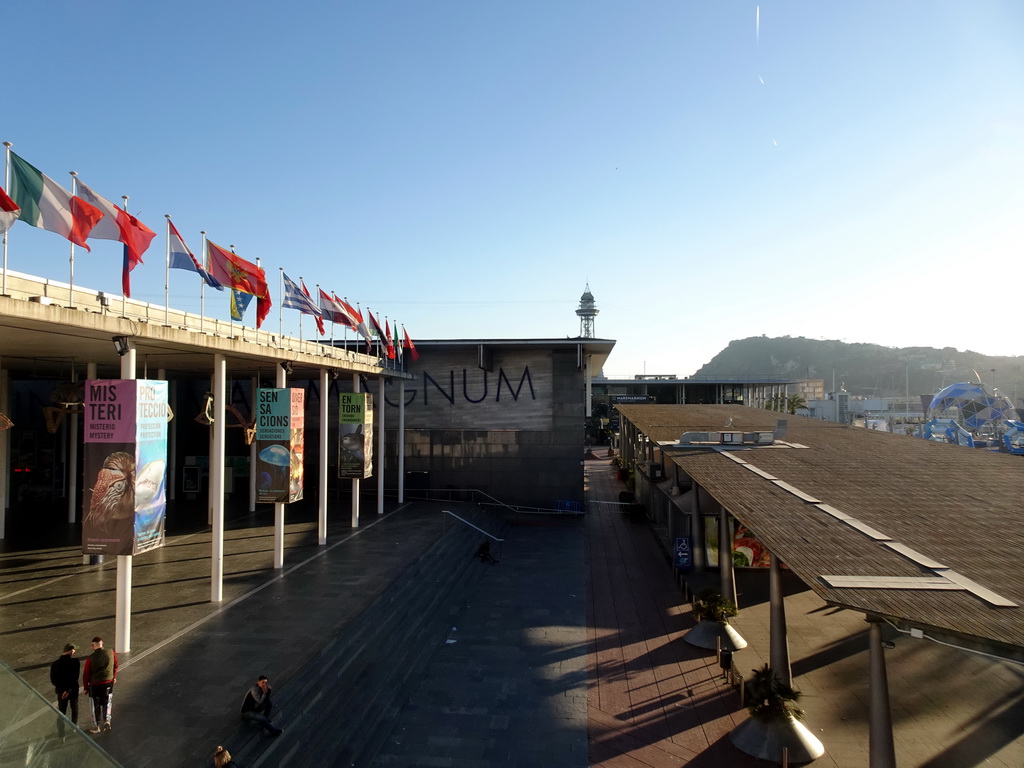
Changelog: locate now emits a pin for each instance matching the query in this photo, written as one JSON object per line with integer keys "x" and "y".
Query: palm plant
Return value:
{"x": 771, "y": 699}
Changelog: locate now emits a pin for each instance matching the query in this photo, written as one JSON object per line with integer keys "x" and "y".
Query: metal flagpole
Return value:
{"x": 7, "y": 185}
{"x": 242, "y": 321}
{"x": 167, "y": 270}
{"x": 123, "y": 313}
{"x": 300, "y": 313}
{"x": 280, "y": 311}
{"x": 71, "y": 280}
{"x": 202, "y": 290}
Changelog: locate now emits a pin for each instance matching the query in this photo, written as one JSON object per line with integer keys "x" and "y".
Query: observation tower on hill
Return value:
{"x": 587, "y": 312}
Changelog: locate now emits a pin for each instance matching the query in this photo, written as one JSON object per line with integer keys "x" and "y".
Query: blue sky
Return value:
{"x": 843, "y": 170}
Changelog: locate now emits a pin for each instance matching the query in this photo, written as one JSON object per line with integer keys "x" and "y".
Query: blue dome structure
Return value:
{"x": 971, "y": 404}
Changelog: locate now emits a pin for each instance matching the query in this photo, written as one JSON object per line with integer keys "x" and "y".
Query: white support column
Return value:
{"x": 401, "y": 442}
{"x": 379, "y": 424}
{"x": 123, "y": 611}
{"x": 72, "y": 467}
{"x": 282, "y": 382}
{"x": 588, "y": 373}
{"x": 254, "y": 385}
{"x": 172, "y": 443}
{"x": 355, "y": 480}
{"x": 324, "y": 408}
{"x": 216, "y": 487}
{"x": 5, "y": 455}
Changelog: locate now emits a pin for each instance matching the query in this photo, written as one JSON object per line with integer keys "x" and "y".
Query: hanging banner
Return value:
{"x": 280, "y": 431}
{"x": 355, "y": 435}
{"x": 125, "y": 466}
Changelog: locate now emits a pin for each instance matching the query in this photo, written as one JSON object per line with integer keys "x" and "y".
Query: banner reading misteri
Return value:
{"x": 355, "y": 435}
{"x": 125, "y": 466}
{"x": 280, "y": 422}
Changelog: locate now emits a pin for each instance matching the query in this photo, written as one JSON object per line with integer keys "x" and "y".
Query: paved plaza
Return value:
{"x": 569, "y": 652}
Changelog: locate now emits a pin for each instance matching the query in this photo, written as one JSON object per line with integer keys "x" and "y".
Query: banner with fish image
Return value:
{"x": 280, "y": 432}
{"x": 125, "y": 466}
{"x": 355, "y": 435}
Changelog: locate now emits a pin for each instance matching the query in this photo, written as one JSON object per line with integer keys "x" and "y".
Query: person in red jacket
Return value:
{"x": 98, "y": 677}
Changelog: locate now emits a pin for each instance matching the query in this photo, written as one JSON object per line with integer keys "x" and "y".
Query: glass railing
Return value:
{"x": 31, "y": 730}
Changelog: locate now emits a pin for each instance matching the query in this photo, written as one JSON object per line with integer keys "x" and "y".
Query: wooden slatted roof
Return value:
{"x": 957, "y": 508}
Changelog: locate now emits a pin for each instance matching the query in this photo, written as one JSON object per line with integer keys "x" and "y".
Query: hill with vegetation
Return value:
{"x": 868, "y": 370}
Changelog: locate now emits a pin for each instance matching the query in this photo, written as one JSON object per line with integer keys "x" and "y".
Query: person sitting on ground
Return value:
{"x": 222, "y": 759}
{"x": 256, "y": 706}
{"x": 484, "y": 553}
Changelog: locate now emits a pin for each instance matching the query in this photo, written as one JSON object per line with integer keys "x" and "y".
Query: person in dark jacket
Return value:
{"x": 64, "y": 677}
{"x": 256, "y": 706}
{"x": 98, "y": 678}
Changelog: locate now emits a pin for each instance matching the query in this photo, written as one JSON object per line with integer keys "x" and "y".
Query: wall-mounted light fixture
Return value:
{"x": 122, "y": 345}
{"x": 287, "y": 366}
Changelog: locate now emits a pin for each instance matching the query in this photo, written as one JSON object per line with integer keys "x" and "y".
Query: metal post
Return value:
{"x": 882, "y": 753}
{"x": 216, "y": 489}
{"x": 725, "y": 555}
{"x": 779, "y": 642}
{"x": 5, "y": 455}
{"x": 123, "y": 610}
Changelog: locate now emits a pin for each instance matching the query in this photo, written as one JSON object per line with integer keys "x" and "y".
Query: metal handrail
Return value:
{"x": 445, "y": 494}
{"x": 471, "y": 525}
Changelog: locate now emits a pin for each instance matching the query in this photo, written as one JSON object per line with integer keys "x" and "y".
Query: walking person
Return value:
{"x": 256, "y": 706}
{"x": 64, "y": 677}
{"x": 222, "y": 759}
{"x": 98, "y": 678}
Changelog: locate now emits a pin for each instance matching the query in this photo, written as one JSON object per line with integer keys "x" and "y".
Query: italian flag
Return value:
{"x": 118, "y": 224}
{"x": 9, "y": 212}
{"x": 46, "y": 204}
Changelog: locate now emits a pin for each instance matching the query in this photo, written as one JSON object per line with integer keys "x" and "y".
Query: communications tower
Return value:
{"x": 587, "y": 312}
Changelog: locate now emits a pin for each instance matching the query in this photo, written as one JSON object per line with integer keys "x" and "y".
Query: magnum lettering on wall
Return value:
{"x": 280, "y": 427}
{"x": 125, "y": 466}
{"x": 355, "y": 435}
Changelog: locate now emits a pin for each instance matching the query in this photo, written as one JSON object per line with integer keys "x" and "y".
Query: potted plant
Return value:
{"x": 712, "y": 610}
{"x": 774, "y": 722}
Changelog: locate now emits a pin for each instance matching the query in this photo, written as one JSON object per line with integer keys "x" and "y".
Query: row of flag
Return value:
{"x": 82, "y": 215}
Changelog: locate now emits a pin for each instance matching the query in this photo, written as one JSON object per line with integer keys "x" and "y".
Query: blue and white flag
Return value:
{"x": 180, "y": 257}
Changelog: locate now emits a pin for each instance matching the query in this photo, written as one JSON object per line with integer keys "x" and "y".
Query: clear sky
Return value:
{"x": 714, "y": 170}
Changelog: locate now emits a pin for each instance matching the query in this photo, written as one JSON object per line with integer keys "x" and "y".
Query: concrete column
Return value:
{"x": 355, "y": 480}
{"x": 324, "y": 408}
{"x": 588, "y": 396}
{"x": 697, "y": 533}
{"x": 254, "y": 384}
{"x": 123, "y": 610}
{"x": 282, "y": 382}
{"x": 172, "y": 444}
{"x": 5, "y": 454}
{"x": 216, "y": 489}
{"x": 401, "y": 442}
{"x": 379, "y": 426}
{"x": 779, "y": 641}
{"x": 881, "y": 752}
{"x": 72, "y": 467}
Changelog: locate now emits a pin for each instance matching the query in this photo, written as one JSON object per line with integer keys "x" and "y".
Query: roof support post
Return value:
{"x": 325, "y": 404}
{"x": 380, "y": 445}
{"x": 282, "y": 383}
{"x": 725, "y": 555}
{"x": 123, "y": 589}
{"x": 779, "y": 643}
{"x": 882, "y": 753}
{"x": 401, "y": 441}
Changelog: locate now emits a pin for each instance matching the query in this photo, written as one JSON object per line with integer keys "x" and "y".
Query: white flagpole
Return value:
{"x": 202, "y": 290}
{"x": 7, "y": 186}
{"x": 123, "y": 265}
{"x": 167, "y": 270}
{"x": 71, "y": 279}
{"x": 300, "y": 313}
{"x": 280, "y": 311}
{"x": 242, "y": 320}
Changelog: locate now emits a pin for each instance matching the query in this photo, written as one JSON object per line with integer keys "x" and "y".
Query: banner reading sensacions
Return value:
{"x": 280, "y": 431}
{"x": 125, "y": 466}
{"x": 355, "y": 435}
